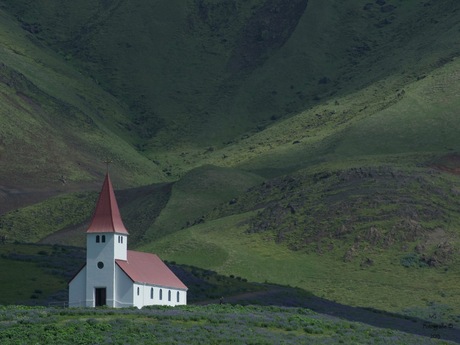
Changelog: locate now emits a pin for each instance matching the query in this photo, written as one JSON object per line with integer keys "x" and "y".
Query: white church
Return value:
{"x": 115, "y": 276}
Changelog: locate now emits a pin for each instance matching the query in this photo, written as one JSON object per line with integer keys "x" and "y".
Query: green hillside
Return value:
{"x": 311, "y": 143}
{"x": 395, "y": 278}
{"x": 196, "y": 194}
{"x": 198, "y": 75}
{"x": 57, "y": 126}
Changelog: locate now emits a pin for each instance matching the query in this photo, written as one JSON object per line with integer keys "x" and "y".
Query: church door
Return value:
{"x": 100, "y": 297}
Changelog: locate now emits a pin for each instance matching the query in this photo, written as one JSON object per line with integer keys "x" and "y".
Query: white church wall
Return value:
{"x": 178, "y": 297}
{"x": 142, "y": 294}
{"x": 77, "y": 289}
{"x": 100, "y": 267}
{"x": 170, "y": 297}
{"x": 158, "y": 295}
{"x": 121, "y": 246}
{"x": 99, "y": 245}
{"x": 181, "y": 299}
{"x": 124, "y": 289}
{"x": 138, "y": 295}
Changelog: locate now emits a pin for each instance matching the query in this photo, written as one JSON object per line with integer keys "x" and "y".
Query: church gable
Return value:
{"x": 77, "y": 289}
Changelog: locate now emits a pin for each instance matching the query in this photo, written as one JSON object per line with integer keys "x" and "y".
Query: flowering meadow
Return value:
{"x": 212, "y": 324}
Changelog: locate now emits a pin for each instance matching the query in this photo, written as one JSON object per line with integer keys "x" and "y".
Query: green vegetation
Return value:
{"x": 191, "y": 325}
{"x": 35, "y": 222}
{"x": 194, "y": 76}
{"x": 25, "y": 283}
{"x": 196, "y": 194}
{"x": 311, "y": 143}
{"x": 374, "y": 278}
{"x": 55, "y": 122}
{"x": 36, "y": 274}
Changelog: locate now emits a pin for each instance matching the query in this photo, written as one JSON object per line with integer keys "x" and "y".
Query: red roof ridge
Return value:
{"x": 106, "y": 217}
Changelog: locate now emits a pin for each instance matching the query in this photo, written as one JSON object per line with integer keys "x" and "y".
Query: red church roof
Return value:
{"x": 107, "y": 216}
{"x": 148, "y": 268}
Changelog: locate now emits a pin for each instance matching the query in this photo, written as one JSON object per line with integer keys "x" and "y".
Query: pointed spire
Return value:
{"x": 107, "y": 216}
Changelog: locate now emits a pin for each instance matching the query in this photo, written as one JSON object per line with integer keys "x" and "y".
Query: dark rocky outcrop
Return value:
{"x": 268, "y": 29}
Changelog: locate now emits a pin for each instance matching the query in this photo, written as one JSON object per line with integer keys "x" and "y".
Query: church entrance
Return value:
{"x": 100, "y": 297}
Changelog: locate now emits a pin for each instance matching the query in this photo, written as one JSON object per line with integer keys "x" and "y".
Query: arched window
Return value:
{"x": 151, "y": 293}
{"x": 98, "y": 239}
{"x": 169, "y": 295}
{"x": 138, "y": 290}
{"x": 178, "y": 296}
{"x": 121, "y": 239}
{"x": 103, "y": 238}
{"x": 161, "y": 294}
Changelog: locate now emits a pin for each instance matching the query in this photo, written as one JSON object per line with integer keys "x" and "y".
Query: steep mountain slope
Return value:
{"x": 56, "y": 125}
{"x": 348, "y": 110}
{"x": 199, "y": 74}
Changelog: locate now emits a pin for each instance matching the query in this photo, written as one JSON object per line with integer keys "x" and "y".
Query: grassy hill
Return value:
{"x": 389, "y": 279}
{"x": 196, "y": 194}
{"x": 194, "y": 75}
{"x": 57, "y": 126}
{"x": 309, "y": 143}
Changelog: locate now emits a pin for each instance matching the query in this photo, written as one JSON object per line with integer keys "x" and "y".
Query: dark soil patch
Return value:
{"x": 449, "y": 163}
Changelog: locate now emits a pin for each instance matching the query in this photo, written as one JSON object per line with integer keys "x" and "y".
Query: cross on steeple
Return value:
{"x": 108, "y": 162}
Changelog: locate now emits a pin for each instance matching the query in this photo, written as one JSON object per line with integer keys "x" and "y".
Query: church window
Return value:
{"x": 121, "y": 239}
{"x": 151, "y": 293}
{"x": 103, "y": 238}
{"x": 100, "y": 265}
{"x": 178, "y": 296}
{"x": 138, "y": 290}
{"x": 169, "y": 295}
{"x": 98, "y": 239}
{"x": 161, "y": 294}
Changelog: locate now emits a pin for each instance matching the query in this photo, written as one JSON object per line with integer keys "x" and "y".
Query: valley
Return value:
{"x": 309, "y": 144}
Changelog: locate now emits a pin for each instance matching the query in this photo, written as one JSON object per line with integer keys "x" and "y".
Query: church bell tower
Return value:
{"x": 106, "y": 241}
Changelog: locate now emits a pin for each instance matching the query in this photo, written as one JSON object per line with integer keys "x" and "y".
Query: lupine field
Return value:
{"x": 212, "y": 324}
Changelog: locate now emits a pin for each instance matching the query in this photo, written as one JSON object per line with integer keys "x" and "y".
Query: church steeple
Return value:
{"x": 114, "y": 276}
{"x": 107, "y": 216}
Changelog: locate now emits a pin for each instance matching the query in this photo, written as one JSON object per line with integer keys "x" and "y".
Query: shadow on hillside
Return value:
{"x": 293, "y": 297}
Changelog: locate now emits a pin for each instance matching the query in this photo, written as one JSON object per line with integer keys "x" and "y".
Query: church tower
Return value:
{"x": 106, "y": 241}
{"x": 115, "y": 276}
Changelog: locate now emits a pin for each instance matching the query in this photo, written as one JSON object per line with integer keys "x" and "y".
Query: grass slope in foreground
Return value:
{"x": 189, "y": 325}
